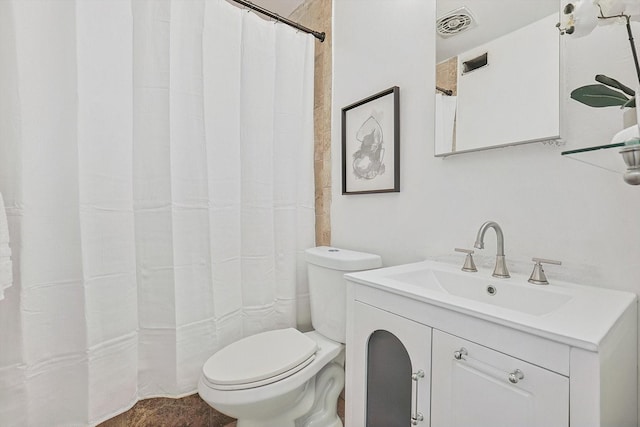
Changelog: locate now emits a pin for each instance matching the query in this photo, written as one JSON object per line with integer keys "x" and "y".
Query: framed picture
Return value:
{"x": 371, "y": 144}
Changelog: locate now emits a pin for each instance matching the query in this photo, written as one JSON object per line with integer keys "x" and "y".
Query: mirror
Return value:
{"x": 497, "y": 74}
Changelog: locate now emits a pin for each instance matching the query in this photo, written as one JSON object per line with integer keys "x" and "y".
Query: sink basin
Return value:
{"x": 509, "y": 294}
{"x": 566, "y": 312}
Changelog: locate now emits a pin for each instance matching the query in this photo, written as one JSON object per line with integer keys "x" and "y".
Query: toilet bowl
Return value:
{"x": 286, "y": 378}
{"x": 287, "y": 392}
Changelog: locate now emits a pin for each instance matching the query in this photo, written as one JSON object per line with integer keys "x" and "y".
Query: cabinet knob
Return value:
{"x": 459, "y": 354}
{"x": 516, "y": 376}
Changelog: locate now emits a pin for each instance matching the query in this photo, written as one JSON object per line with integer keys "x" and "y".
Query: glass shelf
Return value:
{"x": 605, "y": 157}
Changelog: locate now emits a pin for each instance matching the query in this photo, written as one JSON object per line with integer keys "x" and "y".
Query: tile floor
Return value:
{"x": 190, "y": 411}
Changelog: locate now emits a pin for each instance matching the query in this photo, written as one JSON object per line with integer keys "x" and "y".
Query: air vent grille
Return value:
{"x": 455, "y": 22}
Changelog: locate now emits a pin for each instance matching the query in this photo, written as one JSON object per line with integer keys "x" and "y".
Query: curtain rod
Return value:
{"x": 445, "y": 91}
{"x": 316, "y": 34}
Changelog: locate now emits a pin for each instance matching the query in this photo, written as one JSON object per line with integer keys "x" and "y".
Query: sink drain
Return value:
{"x": 492, "y": 290}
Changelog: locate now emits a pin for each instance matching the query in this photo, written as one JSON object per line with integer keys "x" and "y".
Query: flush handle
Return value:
{"x": 416, "y": 416}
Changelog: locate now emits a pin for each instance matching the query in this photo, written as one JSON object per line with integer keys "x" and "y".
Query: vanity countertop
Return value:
{"x": 577, "y": 315}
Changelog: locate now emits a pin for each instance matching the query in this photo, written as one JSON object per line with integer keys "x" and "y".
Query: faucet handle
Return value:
{"x": 546, "y": 261}
{"x": 537, "y": 275}
{"x": 469, "y": 265}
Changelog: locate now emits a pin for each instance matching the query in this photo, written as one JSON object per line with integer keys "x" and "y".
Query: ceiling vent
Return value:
{"x": 455, "y": 22}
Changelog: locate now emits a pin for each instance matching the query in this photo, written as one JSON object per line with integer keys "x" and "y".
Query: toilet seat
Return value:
{"x": 259, "y": 360}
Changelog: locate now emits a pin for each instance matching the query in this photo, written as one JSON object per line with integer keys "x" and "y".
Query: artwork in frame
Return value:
{"x": 371, "y": 144}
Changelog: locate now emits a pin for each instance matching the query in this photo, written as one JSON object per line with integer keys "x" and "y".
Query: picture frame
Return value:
{"x": 371, "y": 144}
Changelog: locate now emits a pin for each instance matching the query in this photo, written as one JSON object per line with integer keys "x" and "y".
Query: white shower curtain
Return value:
{"x": 156, "y": 160}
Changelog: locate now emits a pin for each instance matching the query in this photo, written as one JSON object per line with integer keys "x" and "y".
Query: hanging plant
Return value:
{"x": 605, "y": 95}
{"x": 580, "y": 18}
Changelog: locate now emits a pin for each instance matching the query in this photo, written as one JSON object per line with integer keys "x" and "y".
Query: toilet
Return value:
{"x": 286, "y": 378}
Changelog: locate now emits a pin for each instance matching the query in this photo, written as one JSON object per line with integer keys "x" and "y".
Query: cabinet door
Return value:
{"x": 388, "y": 360}
{"x": 474, "y": 386}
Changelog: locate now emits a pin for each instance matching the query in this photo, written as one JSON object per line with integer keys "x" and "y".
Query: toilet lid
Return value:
{"x": 259, "y": 357}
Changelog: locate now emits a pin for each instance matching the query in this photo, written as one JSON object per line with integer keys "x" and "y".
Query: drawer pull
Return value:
{"x": 416, "y": 416}
{"x": 513, "y": 377}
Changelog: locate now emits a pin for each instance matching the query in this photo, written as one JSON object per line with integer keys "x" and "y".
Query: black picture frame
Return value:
{"x": 371, "y": 144}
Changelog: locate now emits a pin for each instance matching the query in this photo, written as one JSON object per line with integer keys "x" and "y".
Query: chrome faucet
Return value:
{"x": 500, "y": 269}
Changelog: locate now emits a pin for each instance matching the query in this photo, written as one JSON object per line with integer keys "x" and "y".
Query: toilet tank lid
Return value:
{"x": 342, "y": 259}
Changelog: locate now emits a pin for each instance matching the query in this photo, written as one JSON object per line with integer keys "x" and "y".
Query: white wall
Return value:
{"x": 548, "y": 206}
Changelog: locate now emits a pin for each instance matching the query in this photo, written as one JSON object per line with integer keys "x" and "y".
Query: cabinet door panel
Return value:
{"x": 474, "y": 386}
{"x": 372, "y": 328}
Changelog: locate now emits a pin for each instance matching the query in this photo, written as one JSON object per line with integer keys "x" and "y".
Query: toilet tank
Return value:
{"x": 326, "y": 267}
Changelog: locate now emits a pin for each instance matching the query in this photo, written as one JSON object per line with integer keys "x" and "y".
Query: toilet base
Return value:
{"x": 283, "y": 410}
{"x": 329, "y": 385}
{"x": 315, "y": 404}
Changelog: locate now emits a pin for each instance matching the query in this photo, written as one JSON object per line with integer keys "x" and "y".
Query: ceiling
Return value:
{"x": 494, "y": 18}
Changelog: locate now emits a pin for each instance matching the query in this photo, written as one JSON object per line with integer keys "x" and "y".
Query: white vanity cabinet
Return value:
{"x": 479, "y": 367}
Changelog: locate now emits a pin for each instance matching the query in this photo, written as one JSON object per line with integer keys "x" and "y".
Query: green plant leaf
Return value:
{"x": 615, "y": 84}
{"x": 630, "y": 103}
{"x": 598, "y": 96}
